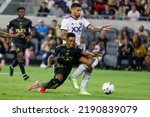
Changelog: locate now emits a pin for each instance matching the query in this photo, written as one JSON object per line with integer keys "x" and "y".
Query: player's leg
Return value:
{"x": 13, "y": 65}
{"x": 60, "y": 77}
{"x": 52, "y": 84}
{"x": 20, "y": 56}
{"x": 83, "y": 67}
{"x": 86, "y": 76}
{"x": 85, "y": 79}
{"x": 86, "y": 63}
{"x": 76, "y": 74}
{"x": 95, "y": 61}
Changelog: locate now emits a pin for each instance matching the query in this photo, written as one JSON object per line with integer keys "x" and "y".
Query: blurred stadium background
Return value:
{"x": 47, "y": 15}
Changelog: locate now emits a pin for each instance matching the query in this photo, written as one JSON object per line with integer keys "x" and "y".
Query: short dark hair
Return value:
{"x": 74, "y": 5}
{"x": 19, "y": 8}
{"x": 70, "y": 35}
{"x": 54, "y": 20}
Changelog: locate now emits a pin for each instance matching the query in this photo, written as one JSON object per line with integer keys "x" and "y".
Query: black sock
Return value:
{"x": 51, "y": 83}
{"x": 21, "y": 65}
{"x": 15, "y": 63}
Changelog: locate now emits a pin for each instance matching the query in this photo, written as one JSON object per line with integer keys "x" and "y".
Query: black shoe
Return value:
{"x": 11, "y": 71}
{"x": 25, "y": 77}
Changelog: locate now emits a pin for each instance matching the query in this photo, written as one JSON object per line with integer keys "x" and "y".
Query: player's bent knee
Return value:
{"x": 89, "y": 69}
{"x": 20, "y": 56}
{"x": 59, "y": 77}
{"x": 85, "y": 61}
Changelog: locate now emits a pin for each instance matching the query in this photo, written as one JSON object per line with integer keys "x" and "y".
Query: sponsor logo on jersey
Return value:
{"x": 76, "y": 29}
{"x": 21, "y": 30}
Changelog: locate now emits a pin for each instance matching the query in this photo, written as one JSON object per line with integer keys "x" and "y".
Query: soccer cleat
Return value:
{"x": 25, "y": 77}
{"x": 84, "y": 93}
{"x": 74, "y": 83}
{"x": 34, "y": 86}
{"x": 11, "y": 71}
{"x": 42, "y": 90}
{"x": 43, "y": 65}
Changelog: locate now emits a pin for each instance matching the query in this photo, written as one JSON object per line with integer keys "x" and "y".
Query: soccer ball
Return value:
{"x": 108, "y": 88}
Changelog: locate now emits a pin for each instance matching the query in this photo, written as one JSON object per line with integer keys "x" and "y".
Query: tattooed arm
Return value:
{"x": 99, "y": 28}
{"x": 7, "y": 35}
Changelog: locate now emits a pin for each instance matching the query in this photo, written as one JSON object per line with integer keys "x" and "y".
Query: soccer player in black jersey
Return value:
{"x": 24, "y": 25}
{"x": 66, "y": 58}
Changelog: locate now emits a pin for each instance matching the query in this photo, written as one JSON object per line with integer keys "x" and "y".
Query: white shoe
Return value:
{"x": 84, "y": 93}
{"x": 43, "y": 65}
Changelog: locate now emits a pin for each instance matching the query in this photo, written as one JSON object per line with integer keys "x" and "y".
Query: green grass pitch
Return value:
{"x": 129, "y": 85}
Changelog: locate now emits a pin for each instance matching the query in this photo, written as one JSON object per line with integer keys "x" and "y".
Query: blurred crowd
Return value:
{"x": 104, "y": 9}
{"x": 120, "y": 48}
{"x": 115, "y": 45}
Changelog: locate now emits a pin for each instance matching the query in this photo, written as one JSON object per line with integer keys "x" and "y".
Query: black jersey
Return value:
{"x": 66, "y": 56}
{"x": 20, "y": 25}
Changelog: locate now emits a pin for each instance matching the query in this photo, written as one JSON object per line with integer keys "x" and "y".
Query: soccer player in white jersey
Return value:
{"x": 75, "y": 23}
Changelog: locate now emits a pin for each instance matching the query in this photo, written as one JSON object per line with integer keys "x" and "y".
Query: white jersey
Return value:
{"x": 75, "y": 26}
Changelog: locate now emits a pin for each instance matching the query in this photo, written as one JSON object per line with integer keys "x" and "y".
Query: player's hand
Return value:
{"x": 97, "y": 54}
{"x": 3, "y": 40}
{"x": 28, "y": 38}
{"x": 94, "y": 54}
{"x": 48, "y": 66}
{"x": 91, "y": 55}
{"x": 20, "y": 34}
{"x": 106, "y": 27}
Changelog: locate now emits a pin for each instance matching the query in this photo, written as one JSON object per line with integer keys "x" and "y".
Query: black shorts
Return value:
{"x": 77, "y": 58}
{"x": 65, "y": 71}
{"x": 20, "y": 48}
{"x": 78, "y": 55}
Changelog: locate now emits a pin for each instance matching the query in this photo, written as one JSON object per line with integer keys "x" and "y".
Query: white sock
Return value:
{"x": 79, "y": 71}
{"x": 85, "y": 80}
{"x": 96, "y": 61}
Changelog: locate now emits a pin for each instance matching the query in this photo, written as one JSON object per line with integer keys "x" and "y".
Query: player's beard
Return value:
{"x": 77, "y": 16}
{"x": 21, "y": 17}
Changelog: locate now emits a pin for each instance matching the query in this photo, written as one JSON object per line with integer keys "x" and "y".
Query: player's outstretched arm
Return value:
{"x": 49, "y": 61}
{"x": 99, "y": 28}
{"x": 7, "y": 35}
{"x": 89, "y": 54}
